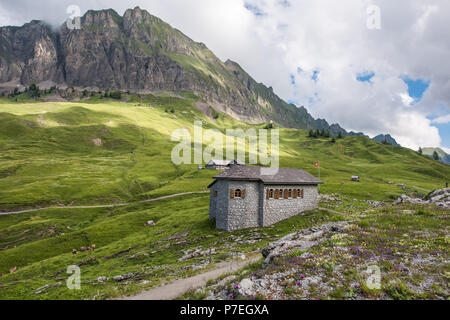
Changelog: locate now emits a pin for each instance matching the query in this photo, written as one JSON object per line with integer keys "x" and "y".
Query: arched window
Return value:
{"x": 237, "y": 193}
{"x": 270, "y": 193}
{"x": 290, "y": 193}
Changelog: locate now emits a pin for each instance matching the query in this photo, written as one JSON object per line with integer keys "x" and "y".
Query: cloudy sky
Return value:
{"x": 377, "y": 66}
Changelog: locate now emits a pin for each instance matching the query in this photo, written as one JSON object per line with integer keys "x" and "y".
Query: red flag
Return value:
{"x": 316, "y": 164}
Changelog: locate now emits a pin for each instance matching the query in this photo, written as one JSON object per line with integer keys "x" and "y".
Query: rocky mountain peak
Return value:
{"x": 140, "y": 52}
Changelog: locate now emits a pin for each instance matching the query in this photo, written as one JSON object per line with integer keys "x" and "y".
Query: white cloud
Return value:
{"x": 325, "y": 35}
{"x": 442, "y": 120}
{"x": 406, "y": 99}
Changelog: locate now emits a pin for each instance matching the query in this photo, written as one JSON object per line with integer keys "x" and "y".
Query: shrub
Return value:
{"x": 116, "y": 95}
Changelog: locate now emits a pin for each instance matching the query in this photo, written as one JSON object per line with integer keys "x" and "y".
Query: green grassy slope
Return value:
{"x": 48, "y": 157}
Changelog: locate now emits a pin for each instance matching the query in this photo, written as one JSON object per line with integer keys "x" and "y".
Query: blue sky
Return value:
{"x": 416, "y": 88}
{"x": 365, "y": 76}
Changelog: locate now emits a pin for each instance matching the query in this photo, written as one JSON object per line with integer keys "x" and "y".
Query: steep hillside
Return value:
{"x": 103, "y": 152}
{"x": 98, "y": 151}
{"x": 142, "y": 53}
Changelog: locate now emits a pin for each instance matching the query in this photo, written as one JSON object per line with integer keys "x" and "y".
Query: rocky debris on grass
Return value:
{"x": 13, "y": 269}
{"x": 97, "y": 142}
{"x": 324, "y": 198}
{"x": 375, "y": 204}
{"x": 46, "y": 287}
{"x": 201, "y": 265}
{"x": 139, "y": 255}
{"x": 150, "y": 223}
{"x": 175, "y": 236}
{"x": 114, "y": 255}
{"x": 102, "y": 279}
{"x": 198, "y": 252}
{"x": 84, "y": 262}
{"x": 302, "y": 240}
{"x": 125, "y": 276}
{"x": 440, "y": 198}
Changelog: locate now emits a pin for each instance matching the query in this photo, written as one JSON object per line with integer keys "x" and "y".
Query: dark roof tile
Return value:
{"x": 269, "y": 175}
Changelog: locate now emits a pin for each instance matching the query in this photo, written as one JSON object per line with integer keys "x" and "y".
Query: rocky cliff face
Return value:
{"x": 140, "y": 52}
{"x": 386, "y": 138}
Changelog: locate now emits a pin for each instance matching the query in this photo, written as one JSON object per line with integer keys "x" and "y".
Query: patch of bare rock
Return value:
{"x": 269, "y": 285}
{"x": 440, "y": 198}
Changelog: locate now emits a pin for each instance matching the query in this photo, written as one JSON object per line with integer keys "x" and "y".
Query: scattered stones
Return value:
{"x": 13, "y": 269}
{"x": 191, "y": 253}
{"x": 440, "y": 198}
{"x": 46, "y": 287}
{"x": 102, "y": 279}
{"x": 246, "y": 287}
{"x": 150, "y": 223}
{"x": 84, "y": 262}
{"x": 74, "y": 251}
{"x": 124, "y": 276}
{"x": 302, "y": 240}
{"x": 97, "y": 142}
{"x": 375, "y": 203}
{"x": 114, "y": 255}
{"x": 177, "y": 236}
{"x": 324, "y": 198}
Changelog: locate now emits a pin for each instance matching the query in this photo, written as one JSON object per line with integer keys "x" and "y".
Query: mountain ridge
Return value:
{"x": 386, "y": 138}
{"x": 141, "y": 52}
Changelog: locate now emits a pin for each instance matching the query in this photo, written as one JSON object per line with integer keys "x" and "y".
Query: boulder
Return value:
{"x": 150, "y": 223}
{"x": 302, "y": 240}
{"x": 246, "y": 287}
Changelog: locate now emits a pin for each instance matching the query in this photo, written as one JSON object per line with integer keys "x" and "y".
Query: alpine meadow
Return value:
{"x": 87, "y": 178}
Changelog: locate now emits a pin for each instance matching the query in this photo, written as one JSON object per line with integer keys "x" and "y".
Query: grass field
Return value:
{"x": 101, "y": 152}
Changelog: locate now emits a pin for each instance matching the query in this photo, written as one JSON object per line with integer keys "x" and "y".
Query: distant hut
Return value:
{"x": 223, "y": 164}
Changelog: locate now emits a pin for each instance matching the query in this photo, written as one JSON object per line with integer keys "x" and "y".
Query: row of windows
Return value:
{"x": 285, "y": 193}
{"x": 234, "y": 193}
{"x": 271, "y": 193}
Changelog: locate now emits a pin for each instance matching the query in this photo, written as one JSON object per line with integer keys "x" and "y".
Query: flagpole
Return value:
{"x": 319, "y": 177}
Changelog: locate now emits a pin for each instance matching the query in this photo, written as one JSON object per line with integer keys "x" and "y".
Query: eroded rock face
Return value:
{"x": 140, "y": 52}
{"x": 302, "y": 240}
{"x": 440, "y": 198}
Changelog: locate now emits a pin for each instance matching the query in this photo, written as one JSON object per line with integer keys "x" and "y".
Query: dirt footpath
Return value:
{"x": 179, "y": 287}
